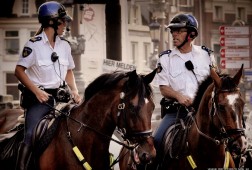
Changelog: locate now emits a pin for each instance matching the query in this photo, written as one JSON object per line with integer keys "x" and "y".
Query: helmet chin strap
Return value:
{"x": 55, "y": 27}
{"x": 185, "y": 41}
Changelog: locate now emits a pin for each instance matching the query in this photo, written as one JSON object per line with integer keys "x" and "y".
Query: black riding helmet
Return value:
{"x": 50, "y": 12}
{"x": 185, "y": 21}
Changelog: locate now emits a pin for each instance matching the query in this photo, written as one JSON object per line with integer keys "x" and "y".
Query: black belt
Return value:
{"x": 172, "y": 106}
{"x": 51, "y": 91}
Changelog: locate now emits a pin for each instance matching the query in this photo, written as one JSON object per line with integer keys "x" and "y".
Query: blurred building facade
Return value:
{"x": 18, "y": 22}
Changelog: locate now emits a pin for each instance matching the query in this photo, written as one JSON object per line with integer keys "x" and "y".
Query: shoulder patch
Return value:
{"x": 34, "y": 39}
{"x": 207, "y": 50}
{"x": 164, "y": 52}
{"x": 26, "y": 51}
{"x": 62, "y": 38}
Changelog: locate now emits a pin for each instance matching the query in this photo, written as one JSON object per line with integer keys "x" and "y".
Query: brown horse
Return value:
{"x": 119, "y": 100}
{"x": 210, "y": 133}
{"x": 122, "y": 101}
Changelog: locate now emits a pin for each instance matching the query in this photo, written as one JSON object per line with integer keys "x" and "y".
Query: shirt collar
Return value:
{"x": 177, "y": 52}
{"x": 45, "y": 39}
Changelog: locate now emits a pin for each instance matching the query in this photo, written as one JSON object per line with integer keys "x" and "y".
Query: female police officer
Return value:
{"x": 45, "y": 65}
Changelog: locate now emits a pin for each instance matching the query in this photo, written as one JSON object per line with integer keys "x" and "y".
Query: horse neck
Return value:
{"x": 204, "y": 122}
{"x": 99, "y": 113}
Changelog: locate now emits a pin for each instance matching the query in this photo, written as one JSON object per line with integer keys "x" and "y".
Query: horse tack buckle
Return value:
{"x": 121, "y": 106}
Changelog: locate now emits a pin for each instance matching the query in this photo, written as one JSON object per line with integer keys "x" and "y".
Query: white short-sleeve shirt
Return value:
{"x": 175, "y": 74}
{"x": 36, "y": 58}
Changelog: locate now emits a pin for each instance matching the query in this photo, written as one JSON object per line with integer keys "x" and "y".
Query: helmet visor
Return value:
{"x": 177, "y": 25}
{"x": 67, "y": 18}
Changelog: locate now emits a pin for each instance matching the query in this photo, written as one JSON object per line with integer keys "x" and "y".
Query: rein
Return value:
{"x": 87, "y": 126}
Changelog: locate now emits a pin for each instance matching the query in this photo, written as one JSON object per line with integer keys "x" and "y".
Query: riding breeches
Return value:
{"x": 33, "y": 115}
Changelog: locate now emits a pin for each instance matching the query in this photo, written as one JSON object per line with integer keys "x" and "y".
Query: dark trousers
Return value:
{"x": 33, "y": 115}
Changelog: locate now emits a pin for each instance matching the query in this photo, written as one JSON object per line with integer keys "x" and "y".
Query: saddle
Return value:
{"x": 175, "y": 139}
{"x": 47, "y": 126}
{"x": 42, "y": 136}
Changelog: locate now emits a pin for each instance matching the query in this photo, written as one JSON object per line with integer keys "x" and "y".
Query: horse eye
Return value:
{"x": 221, "y": 108}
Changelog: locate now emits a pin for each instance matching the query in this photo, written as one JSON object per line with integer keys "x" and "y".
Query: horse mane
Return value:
{"x": 200, "y": 92}
{"x": 110, "y": 80}
{"x": 104, "y": 81}
{"x": 227, "y": 85}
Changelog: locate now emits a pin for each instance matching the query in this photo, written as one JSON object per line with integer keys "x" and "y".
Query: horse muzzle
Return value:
{"x": 146, "y": 152}
{"x": 238, "y": 146}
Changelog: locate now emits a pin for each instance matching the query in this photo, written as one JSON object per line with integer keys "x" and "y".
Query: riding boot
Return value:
{"x": 23, "y": 156}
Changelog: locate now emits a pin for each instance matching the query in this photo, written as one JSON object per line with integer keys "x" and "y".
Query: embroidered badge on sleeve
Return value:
{"x": 26, "y": 51}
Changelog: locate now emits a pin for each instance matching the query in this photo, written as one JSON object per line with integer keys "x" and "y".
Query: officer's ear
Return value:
{"x": 192, "y": 35}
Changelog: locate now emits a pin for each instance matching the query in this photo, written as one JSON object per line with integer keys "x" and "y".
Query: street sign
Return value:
{"x": 236, "y": 52}
{"x": 113, "y": 65}
{"x": 230, "y": 30}
{"x": 234, "y": 42}
{"x": 226, "y": 63}
{"x": 248, "y": 74}
{"x": 223, "y": 63}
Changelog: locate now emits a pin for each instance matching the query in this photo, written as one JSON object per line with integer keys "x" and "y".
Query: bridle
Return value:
{"x": 132, "y": 139}
{"x": 224, "y": 135}
{"x": 132, "y": 136}
{"x": 227, "y": 136}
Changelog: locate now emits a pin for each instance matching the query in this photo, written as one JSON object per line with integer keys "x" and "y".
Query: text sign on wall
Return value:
{"x": 232, "y": 42}
{"x": 229, "y": 30}
{"x": 225, "y": 63}
{"x": 235, "y": 52}
{"x": 113, "y": 65}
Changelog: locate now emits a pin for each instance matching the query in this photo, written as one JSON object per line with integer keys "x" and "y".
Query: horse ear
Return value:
{"x": 149, "y": 77}
{"x": 132, "y": 77}
{"x": 238, "y": 76}
{"x": 215, "y": 77}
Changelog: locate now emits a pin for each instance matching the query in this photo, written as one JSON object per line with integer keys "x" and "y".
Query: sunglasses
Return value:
{"x": 178, "y": 30}
{"x": 61, "y": 21}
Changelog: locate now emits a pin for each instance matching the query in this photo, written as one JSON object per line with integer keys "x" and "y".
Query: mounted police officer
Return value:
{"x": 45, "y": 69}
{"x": 180, "y": 71}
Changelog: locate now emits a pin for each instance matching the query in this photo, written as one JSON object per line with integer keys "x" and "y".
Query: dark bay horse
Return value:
{"x": 213, "y": 133}
{"x": 119, "y": 100}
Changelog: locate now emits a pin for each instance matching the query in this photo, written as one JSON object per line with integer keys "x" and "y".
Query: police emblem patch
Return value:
{"x": 26, "y": 51}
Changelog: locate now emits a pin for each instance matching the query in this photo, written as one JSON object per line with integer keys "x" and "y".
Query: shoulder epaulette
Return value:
{"x": 34, "y": 39}
{"x": 62, "y": 38}
{"x": 209, "y": 51}
{"x": 164, "y": 52}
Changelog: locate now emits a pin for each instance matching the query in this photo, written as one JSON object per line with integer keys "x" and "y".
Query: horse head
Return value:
{"x": 134, "y": 117}
{"x": 227, "y": 111}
